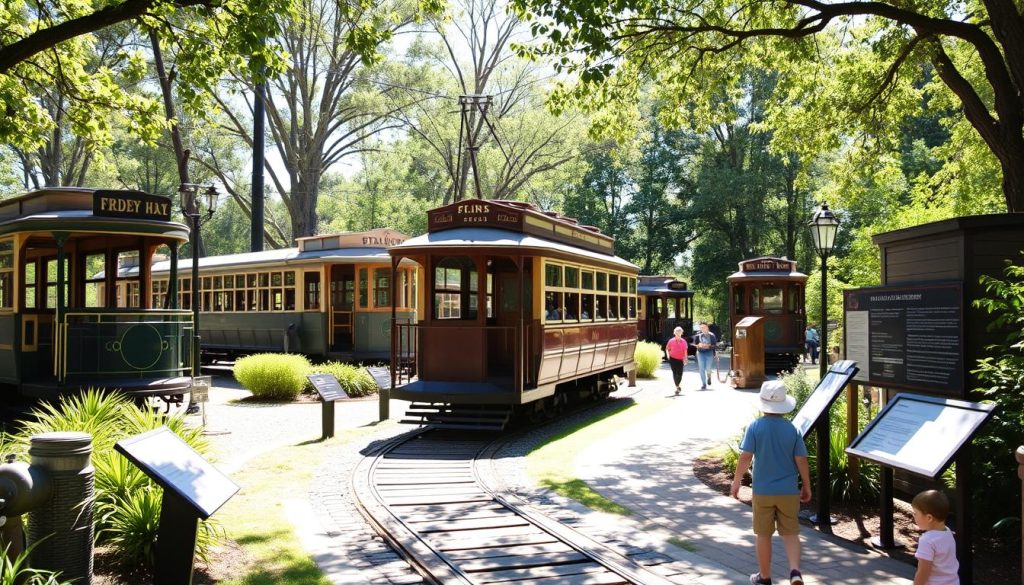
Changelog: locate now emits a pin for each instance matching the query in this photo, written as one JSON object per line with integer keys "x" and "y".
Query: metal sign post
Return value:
{"x": 330, "y": 390}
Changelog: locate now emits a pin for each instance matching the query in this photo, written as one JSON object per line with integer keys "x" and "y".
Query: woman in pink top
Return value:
{"x": 677, "y": 353}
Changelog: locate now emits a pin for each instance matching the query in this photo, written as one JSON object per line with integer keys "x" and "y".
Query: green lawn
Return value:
{"x": 255, "y": 518}
{"x": 551, "y": 464}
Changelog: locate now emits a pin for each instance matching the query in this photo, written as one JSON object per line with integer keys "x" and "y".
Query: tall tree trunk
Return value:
{"x": 180, "y": 154}
{"x": 1012, "y": 162}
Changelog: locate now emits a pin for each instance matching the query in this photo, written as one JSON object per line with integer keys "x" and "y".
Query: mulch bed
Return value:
{"x": 995, "y": 562}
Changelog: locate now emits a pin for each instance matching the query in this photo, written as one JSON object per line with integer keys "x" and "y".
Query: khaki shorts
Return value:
{"x": 776, "y": 511}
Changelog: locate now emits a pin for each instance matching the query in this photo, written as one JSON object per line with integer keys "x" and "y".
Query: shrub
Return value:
{"x": 272, "y": 376}
{"x": 127, "y": 502}
{"x": 354, "y": 380}
{"x": 18, "y": 572}
{"x": 647, "y": 357}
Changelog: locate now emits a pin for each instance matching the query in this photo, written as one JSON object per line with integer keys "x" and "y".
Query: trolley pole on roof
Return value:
{"x": 468, "y": 104}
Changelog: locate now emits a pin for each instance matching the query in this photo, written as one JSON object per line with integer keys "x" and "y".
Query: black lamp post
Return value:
{"x": 196, "y": 220}
{"x": 824, "y": 227}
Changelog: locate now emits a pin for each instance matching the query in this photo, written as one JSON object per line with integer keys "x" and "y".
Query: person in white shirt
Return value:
{"x": 936, "y": 549}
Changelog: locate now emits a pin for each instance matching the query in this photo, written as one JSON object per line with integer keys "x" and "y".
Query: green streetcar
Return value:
{"x": 68, "y": 323}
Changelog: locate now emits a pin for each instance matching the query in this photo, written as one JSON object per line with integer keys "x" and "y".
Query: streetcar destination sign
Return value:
{"x": 131, "y": 204}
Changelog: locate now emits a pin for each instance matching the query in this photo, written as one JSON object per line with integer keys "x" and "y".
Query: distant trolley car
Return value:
{"x": 665, "y": 303}
{"x": 522, "y": 312}
{"x": 62, "y": 327}
{"x": 773, "y": 289}
{"x": 329, "y": 297}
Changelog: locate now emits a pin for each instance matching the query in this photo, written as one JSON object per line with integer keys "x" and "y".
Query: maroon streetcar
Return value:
{"x": 773, "y": 289}
{"x": 521, "y": 312}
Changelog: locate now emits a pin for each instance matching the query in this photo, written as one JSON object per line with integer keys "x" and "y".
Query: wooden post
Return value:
{"x": 852, "y": 426}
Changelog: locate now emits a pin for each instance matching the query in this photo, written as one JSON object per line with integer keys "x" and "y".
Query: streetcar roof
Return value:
{"x": 498, "y": 238}
{"x": 659, "y": 290}
{"x": 280, "y": 256}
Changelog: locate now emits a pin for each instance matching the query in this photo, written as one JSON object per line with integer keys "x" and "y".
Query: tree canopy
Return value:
{"x": 843, "y": 67}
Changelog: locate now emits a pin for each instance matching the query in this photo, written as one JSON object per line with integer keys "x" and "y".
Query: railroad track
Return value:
{"x": 422, "y": 492}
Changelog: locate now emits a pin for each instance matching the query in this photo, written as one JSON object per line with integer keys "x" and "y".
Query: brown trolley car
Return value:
{"x": 63, "y": 325}
{"x": 665, "y": 303}
{"x": 773, "y": 289}
{"x": 521, "y": 311}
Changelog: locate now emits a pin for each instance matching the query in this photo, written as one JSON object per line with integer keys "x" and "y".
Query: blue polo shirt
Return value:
{"x": 775, "y": 442}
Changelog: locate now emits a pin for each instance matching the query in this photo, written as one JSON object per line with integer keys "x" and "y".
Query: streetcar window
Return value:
{"x": 771, "y": 299}
{"x": 572, "y": 306}
{"x": 613, "y": 283}
{"x": 275, "y": 279}
{"x": 600, "y": 304}
{"x": 602, "y": 281}
{"x": 277, "y": 300}
{"x": 632, "y": 285}
{"x": 381, "y": 287}
{"x": 218, "y": 282}
{"x": 794, "y": 298}
{"x": 264, "y": 278}
{"x": 632, "y": 307}
{"x": 239, "y": 300}
{"x": 738, "y": 302}
{"x": 623, "y": 307}
{"x": 30, "y": 285}
{"x": 572, "y": 277}
{"x": 289, "y": 278}
{"x": 250, "y": 280}
{"x": 552, "y": 275}
{"x": 587, "y": 308}
{"x": 95, "y": 269}
{"x": 588, "y": 280}
{"x": 312, "y": 288}
{"x": 490, "y": 295}
{"x": 6, "y": 275}
{"x": 454, "y": 289}
{"x": 364, "y": 297}
{"x": 553, "y": 309}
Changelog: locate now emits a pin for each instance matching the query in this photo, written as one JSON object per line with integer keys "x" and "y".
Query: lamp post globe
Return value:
{"x": 824, "y": 226}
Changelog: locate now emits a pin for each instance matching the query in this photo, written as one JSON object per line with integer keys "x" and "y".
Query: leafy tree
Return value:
{"x": 50, "y": 45}
{"x": 842, "y": 65}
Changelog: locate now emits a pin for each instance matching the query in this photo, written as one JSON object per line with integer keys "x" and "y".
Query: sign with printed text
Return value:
{"x": 328, "y": 387}
{"x": 201, "y": 388}
{"x": 908, "y": 337}
{"x": 920, "y": 434}
{"x": 768, "y": 265}
{"x": 381, "y": 375}
{"x": 131, "y": 204}
{"x": 824, "y": 394}
{"x": 174, "y": 465}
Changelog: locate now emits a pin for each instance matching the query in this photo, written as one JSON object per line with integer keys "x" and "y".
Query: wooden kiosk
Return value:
{"x": 748, "y": 353}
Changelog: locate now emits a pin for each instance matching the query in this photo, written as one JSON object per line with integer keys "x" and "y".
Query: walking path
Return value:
{"x": 649, "y": 468}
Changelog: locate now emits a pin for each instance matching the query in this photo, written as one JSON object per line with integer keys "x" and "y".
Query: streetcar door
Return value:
{"x": 655, "y": 315}
{"x": 343, "y": 296}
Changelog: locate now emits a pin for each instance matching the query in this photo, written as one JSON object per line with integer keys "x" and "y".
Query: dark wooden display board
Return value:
{"x": 330, "y": 390}
{"x": 193, "y": 489}
{"x": 907, "y": 337}
{"x": 381, "y": 375}
{"x": 920, "y": 434}
{"x": 328, "y": 387}
{"x": 824, "y": 394}
{"x": 175, "y": 466}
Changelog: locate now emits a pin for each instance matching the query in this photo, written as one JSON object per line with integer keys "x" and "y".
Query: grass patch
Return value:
{"x": 255, "y": 518}
{"x": 683, "y": 544}
{"x": 550, "y": 464}
{"x": 578, "y": 490}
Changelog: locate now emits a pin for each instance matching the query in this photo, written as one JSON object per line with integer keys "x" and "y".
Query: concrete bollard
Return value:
{"x": 62, "y": 530}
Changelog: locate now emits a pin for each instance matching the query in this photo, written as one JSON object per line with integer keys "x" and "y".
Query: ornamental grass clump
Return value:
{"x": 354, "y": 380}
{"x": 273, "y": 376}
{"x": 647, "y": 357}
{"x": 127, "y": 502}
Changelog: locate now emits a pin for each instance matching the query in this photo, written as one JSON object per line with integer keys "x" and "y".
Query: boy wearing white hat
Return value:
{"x": 781, "y": 456}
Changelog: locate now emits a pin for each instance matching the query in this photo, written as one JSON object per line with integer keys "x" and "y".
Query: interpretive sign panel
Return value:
{"x": 825, "y": 393}
{"x": 907, "y": 337}
{"x": 175, "y": 466}
{"x": 381, "y": 375}
{"x": 327, "y": 386}
{"x": 201, "y": 388}
{"x": 920, "y": 434}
